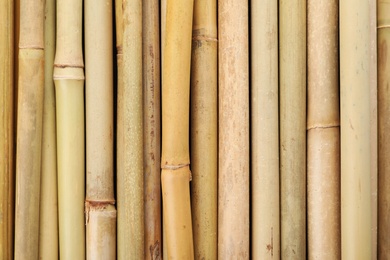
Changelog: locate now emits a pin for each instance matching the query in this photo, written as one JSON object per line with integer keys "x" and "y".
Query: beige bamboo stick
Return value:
{"x": 233, "y": 180}
{"x": 29, "y": 129}
{"x": 69, "y": 85}
{"x": 204, "y": 129}
{"x": 7, "y": 149}
{"x": 292, "y": 58}
{"x": 48, "y": 222}
{"x": 152, "y": 132}
{"x": 265, "y": 131}
{"x": 355, "y": 130}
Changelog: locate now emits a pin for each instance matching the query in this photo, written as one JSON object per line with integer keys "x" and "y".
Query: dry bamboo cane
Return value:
{"x": 69, "y": 85}
{"x": 175, "y": 173}
{"x": 29, "y": 129}
{"x": 99, "y": 209}
{"x": 204, "y": 129}
{"x": 6, "y": 128}
{"x": 233, "y": 179}
{"x": 265, "y": 131}
{"x": 355, "y": 130}
{"x": 323, "y": 132}
{"x": 152, "y": 132}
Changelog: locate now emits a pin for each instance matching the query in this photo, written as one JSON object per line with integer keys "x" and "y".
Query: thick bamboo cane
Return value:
{"x": 48, "y": 225}
{"x": 292, "y": 65}
{"x": 355, "y": 130}
{"x": 7, "y": 149}
{"x": 323, "y": 132}
{"x": 69, "y": 85}
{"x": 265, "y": 130}
{"x": 29, "y": 129}
{"x": 233, "y": 182}
{"x": 152, "y": 132}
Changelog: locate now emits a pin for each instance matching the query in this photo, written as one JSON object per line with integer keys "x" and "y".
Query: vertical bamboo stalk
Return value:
{"x": 69, "y": 85}
{"x": 48, "y": 225}
{"x": 355, "y": 131}
{"x": 292, "y": 65}
{"x": 152, "y": 132}
{"x": 323, "y": 132}
{"x": 29, "y": 129}
{"x": 233, "y": 182}
{"x": 204, "y": 129}
{"x": 265, "y": 130}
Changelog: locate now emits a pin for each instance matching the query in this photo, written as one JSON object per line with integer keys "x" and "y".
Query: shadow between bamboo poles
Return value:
{"x": 233, "y": 180}
{"x": 355, "y": 133}
{"x": 6, "y": 128}
{"x": 265, "y": 233}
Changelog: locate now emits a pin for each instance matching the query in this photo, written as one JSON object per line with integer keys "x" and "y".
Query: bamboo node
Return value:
{"x": 323, "y": 126}
{"x": 204, "y": 38}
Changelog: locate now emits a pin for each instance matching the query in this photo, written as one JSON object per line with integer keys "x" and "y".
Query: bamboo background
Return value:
{"x": 215, "y": 129}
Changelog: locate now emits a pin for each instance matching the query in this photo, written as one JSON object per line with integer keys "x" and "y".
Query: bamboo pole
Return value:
{"x": 7, "y": 149}
{"x": 48, "y": 225}
{"x": 265, "y": 130}
{"x": 152, "y": 132}
{"x": 233, "y": 180}
{"x": 69, "y": 86}
{"x": 204, "y": 129}
{"x": 355, "y": 133}
{"x": 29, "y": 129}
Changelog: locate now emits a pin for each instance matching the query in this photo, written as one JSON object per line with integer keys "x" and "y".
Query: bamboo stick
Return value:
{"x": 233, "y": 180}
{"x": 29, "y": 129}
{"x": 48, "y": 225}
{"x": 204, "y": 129}
{"x": 355, "y": 133}
{"x": 69, "y": 85}
{"x": 265, "y": 130}
{"x": 292, "y": 51}
{"x": 152, "y": 132}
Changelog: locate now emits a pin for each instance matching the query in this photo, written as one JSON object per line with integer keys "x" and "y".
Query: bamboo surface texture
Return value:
{"x": 233, "y": 180}
{"x": 323, "y": 132}
{"x": 292, "y": 76}
{"x": 29, "y": 129}
{"x": 265, "y": 131}
{"x": 355, "y": 133}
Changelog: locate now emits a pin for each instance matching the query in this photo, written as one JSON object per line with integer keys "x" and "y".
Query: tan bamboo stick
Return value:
{"x": 48, "y": 222}
{"x": 265, "y": 131}
{"x": 29, "y": 129}
{"x": 292, "y": 65}
{"x": 233, "y": 180}
{"x": 69, "y": 84}
{"x": 152, "y": 132}
{"x": 355, "y": 131}
{"x": 7, "y": 149}
{"x": 204, "y": 129}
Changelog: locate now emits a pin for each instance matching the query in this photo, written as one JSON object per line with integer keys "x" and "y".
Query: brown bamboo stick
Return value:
{"x": 265, "y": 130}
{"x": 29, "y": 129}
{"x": 204, "y": 129}
{"x": 355, "y": 131}
{"x": 233, "y": 180}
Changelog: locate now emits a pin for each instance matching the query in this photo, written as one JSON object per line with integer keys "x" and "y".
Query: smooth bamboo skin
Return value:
{"x": 355, "y": 133}
{"x": 152, "y": 129}
{"x": 265, "y": 233}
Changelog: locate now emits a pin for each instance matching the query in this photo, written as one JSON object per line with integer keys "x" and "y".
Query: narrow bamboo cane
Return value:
{"x": 175, "y": 129}
{"x": 383, "y": 129}
{"x": 69, "y": 85}
{"x": 29, "y": 129}
{"x": 152, "y": 132}
{"x": 265, "y": 130}
{"x": 323, "y": 132}
{"x": 48, "y": 225}
{"x": 204, "y": 129}
{"x": 355, "y": 131}
{"x": 233, "y": 179}
{"x": 7, "y": 149}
